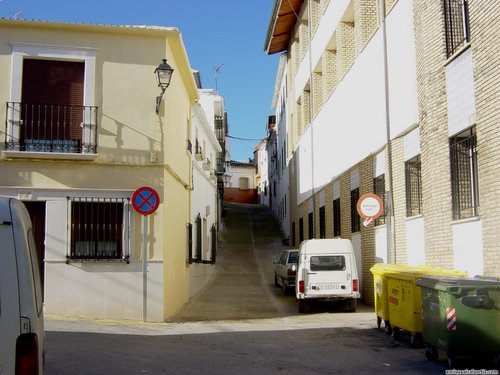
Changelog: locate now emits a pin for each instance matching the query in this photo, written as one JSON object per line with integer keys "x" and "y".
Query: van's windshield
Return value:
{"x": 328, "y": 263}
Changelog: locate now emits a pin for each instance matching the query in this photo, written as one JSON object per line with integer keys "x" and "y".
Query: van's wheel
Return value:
{"x": 351, "y": 305}
{"x": 285, "y": 289}
{"x": 303, "y": 306}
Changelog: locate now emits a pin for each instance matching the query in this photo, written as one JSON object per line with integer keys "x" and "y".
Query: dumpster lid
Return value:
{"x": 444, "y": 283}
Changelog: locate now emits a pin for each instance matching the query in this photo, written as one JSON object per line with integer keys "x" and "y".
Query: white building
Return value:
{"x": 262, "y": 179}
{"x": 205, "y": 197}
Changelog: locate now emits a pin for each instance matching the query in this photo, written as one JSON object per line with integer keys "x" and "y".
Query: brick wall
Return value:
{"x": 485, "y": 44}
{"x": 365, "y": 22}
{"x": 345, "y": 205}
{"x": 345, "y": 47}
{"x": 367, "y": 233}
{"x": 431, "y": 94}
{"x": 329, "y": 62}
{"x": 399, "y": 197}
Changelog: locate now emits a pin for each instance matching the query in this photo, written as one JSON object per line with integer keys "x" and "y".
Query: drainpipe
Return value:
{"x": 391, "y": 232}
{"x": 311, "y": 110}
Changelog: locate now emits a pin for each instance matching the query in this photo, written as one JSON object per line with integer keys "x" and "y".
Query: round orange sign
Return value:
{"x": 370, "y": 207}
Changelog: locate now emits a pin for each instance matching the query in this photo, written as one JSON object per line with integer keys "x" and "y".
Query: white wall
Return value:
{"x": 352, "y": 124}
{"x": 468, "y": 247}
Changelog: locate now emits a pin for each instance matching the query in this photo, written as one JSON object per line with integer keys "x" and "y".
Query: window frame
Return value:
{"x": 456, "y": 25}
{"x": 336, "y": 218}
{"x": 355, "y": 218}
{"x": 122, "y": 235}
{"x": 413, "y": 186}
{"x": 464, "y": 177}
{"x": 379, "y": 189}
{"x": 322, "y": 222}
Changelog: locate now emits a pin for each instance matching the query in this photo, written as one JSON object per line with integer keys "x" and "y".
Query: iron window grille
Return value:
{"x": 99, "y": 228}
{"x": 336, "y": 217}
{"x": 355, "y": 220}
{"x": 310, "y": 221}
{"x": 464, "y": 176}
{"x": 301, "y": 230}
{"x": 456, "y": 21}
{"x": 199, "y": 231}
{"x": 413, "y": 179}
{"x": 322, "y": 222}
{"x": 379, "y": 189}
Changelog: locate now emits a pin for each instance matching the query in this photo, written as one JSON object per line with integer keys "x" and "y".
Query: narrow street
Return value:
{"x": 238, "y": 324}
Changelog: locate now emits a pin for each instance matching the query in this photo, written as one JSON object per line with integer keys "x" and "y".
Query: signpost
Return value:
{"x": 370, "y": 207}
{"x": 145, "y": 201}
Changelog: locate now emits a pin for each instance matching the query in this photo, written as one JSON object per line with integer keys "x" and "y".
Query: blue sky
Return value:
{"x": 229, "y": 32}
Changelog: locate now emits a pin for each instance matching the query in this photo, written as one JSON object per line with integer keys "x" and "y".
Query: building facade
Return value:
{"x": 395, "y": 98}
{"x": 81, "y": 135}
{"x": 205, "y": 197}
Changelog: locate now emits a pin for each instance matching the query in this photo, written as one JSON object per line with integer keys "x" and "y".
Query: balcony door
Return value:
{"x": 51, "y": 105}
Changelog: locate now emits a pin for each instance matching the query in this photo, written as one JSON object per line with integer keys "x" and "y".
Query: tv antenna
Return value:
{"x": 216, "y": 73}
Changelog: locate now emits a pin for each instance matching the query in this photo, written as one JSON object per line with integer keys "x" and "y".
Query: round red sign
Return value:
{"x": 145, "y": 200}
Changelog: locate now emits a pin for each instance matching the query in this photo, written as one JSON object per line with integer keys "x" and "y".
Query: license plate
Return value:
{"x": 327, "y": 286}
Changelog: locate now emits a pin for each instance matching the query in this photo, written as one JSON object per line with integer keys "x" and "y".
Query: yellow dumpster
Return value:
{"x": 404, "y": 298}
{"x": 379, "y": 271}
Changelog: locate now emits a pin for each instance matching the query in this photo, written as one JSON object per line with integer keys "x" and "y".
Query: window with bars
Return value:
{"x": 336, "y": 217}
{"x": 464, "y": 176}
{"x": 310, "y": 221}
{"x": 456, "y": 21}
{"x": 322, "y": 222}
{"x": 301, "y": 230}
{"x": 413, "y": 179}
{"x": 379, "y": 189}
{"x": 99, "y": 228}
{"x": 355, "y": 220}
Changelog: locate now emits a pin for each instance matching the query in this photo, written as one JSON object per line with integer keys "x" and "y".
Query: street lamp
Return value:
{"x": 163, "y": 75}
{"x": 226, "y": 178}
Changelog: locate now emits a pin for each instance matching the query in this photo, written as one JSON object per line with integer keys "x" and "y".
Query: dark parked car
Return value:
{"x": 285, "y": 269}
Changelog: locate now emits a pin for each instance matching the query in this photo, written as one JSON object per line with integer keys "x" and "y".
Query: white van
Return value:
{"x": 327, "y": 271}
{"x": 22, "y": 337}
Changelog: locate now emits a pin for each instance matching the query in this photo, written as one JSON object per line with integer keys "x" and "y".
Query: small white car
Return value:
{"x": 327, "y": 272}
{"x": 285, "y": 269}
{"x": 22, "y": 337}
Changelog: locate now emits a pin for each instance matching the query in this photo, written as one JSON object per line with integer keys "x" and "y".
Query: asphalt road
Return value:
{"x": 238, "y": 324}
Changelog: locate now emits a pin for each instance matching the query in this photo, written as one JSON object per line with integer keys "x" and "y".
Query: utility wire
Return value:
{"x": 244, "y": 139}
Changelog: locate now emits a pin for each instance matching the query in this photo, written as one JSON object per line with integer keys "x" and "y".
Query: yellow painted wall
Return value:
{"x": 136, "y": 147}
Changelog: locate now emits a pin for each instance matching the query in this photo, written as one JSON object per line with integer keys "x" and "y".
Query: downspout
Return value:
{"x": 391, "y": 232}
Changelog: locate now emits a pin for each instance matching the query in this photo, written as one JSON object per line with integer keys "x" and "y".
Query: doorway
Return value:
{"x": 37, "y": 215}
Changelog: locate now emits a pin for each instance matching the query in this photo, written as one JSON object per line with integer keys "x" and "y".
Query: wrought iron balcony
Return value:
{"x": 52, "y": 128}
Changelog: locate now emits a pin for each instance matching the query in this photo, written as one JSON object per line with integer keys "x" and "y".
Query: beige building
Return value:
{"x": 397, "y": 98}
{"x": 80, "y": 136}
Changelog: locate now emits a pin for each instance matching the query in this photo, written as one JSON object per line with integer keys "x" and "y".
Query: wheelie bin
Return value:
{"x": 381, "y": 302}
{"x": 460, "y": 316}
{"x": 404, "y": 299}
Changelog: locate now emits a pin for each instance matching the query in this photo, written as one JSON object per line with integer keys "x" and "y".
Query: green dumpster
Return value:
{"x": 460, "y": 316}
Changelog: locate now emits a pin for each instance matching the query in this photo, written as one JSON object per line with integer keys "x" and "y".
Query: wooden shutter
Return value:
{"x": 52, "y": 97}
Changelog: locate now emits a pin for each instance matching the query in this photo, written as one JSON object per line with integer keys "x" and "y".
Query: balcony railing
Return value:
{"x": 51, "y": 128}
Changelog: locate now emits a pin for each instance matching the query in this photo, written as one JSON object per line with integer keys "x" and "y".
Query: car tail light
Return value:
{"x": 291, "y": 273}
{"x": 27, "y": 354}
{"x": 301, "y": 286}
{"x": 355, "y": 285}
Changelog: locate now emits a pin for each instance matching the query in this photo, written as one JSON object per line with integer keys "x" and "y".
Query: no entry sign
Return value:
{"x": 145, "y": 200}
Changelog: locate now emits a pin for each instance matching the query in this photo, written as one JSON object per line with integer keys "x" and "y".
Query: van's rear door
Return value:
{"x": 9, "y": 291}
{"x": 328, "y": 275}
